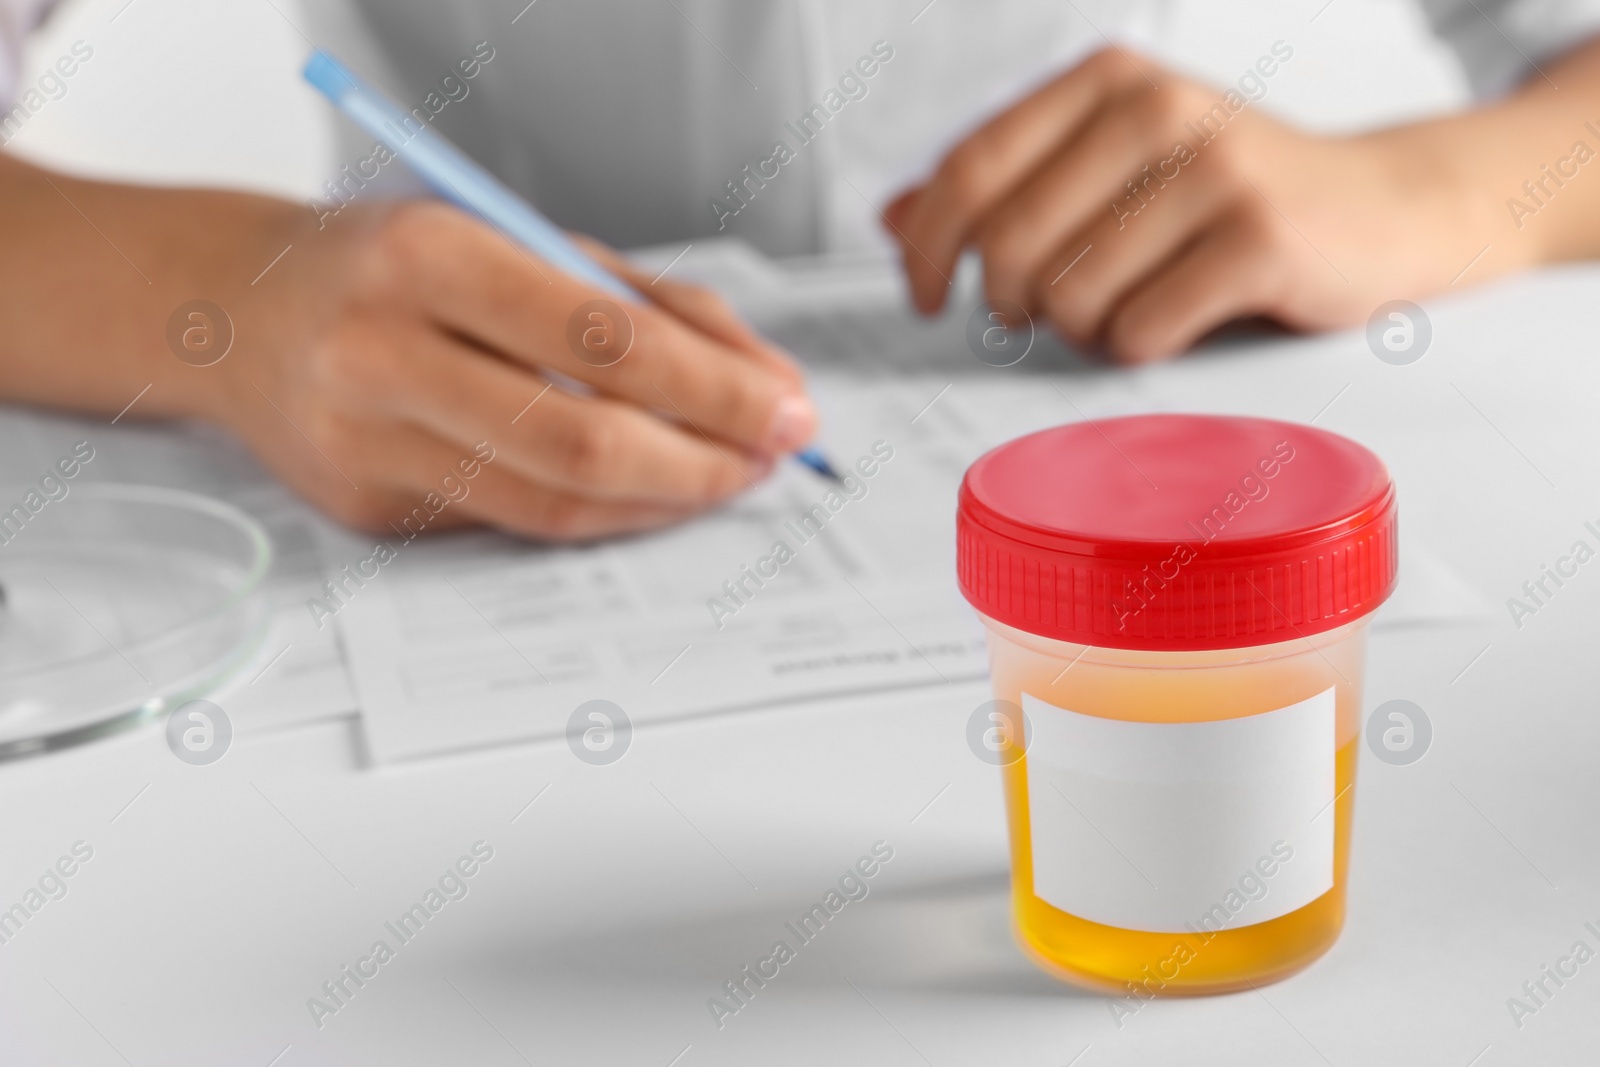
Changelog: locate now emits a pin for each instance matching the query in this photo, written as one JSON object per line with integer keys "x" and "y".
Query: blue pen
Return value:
{"x": 453, "y": 175}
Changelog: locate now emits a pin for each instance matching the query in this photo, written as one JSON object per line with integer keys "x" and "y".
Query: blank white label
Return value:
{"x": 1164, "y": 827}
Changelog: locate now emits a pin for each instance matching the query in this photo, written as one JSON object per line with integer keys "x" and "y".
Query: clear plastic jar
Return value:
{"x": 1185, "y": 687}
{"x": 1179, "y": 700}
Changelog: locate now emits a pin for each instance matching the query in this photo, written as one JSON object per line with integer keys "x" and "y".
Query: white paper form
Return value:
{"x": 475, "y": 639}
{"x": 298, "y": 673}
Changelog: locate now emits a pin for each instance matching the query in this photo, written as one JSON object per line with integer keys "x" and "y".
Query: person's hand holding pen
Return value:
{"x": 369, "y": 361}
{"x": 432, "y": 332}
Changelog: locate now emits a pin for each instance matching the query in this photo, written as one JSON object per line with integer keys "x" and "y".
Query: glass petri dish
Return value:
{"x": 120, "y": 602}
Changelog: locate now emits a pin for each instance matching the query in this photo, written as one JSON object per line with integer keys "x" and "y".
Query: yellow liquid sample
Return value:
{"x": 1179, "y": 687}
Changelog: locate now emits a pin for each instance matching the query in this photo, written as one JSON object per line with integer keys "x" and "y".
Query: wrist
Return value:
{"x": 99, "y": 314}
{"x": 1447, "y": 176}
{"x": 238, "y": 309}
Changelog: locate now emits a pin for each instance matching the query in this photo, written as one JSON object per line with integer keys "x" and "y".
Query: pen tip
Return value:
{"x": 814, "y": 459}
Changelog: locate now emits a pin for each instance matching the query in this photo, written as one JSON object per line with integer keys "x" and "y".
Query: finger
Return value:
{"x": 475, "y": 282}
{"x": 673, "y": 368}
{"x": 410, "y": 510}
{"x": 981, "y": 171}
{"x": 496, "y": 495}
{"x": 715, "y": 317}
{"x": 387, "y": 489}
{"x": 552, "y": 515}
{"x": 704, "y": 310}
{"x": 896, "y": 212}
{"x": 1082, "y": 183}
{"x": 1087, "y": 276}
{"x": 593, "y": 447}
{"x": 1227, "y": 273}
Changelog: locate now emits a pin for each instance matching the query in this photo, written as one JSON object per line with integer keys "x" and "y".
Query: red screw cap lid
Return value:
{"x": 1177, "y": 532}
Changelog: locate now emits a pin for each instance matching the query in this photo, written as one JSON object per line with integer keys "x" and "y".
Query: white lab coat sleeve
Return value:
{"x": 17, "y": 20}
{"x": 1503, "y": 43}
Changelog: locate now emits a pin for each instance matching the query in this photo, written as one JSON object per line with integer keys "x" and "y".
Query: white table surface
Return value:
{"x": 221, "y": 897}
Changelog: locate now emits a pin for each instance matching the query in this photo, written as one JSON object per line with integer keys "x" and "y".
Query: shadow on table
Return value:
{"x": 944, "y": 937}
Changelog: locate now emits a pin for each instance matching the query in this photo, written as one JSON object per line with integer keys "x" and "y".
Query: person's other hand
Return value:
{"x": 387, "y": 345}
{"x": 1131, "y": 208}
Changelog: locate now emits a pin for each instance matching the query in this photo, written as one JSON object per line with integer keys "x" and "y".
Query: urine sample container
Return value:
{"x": 1176, "y": 609}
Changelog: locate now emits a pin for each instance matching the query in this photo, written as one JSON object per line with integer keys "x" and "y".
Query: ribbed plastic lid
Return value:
{"x": 1177, "y": 532}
